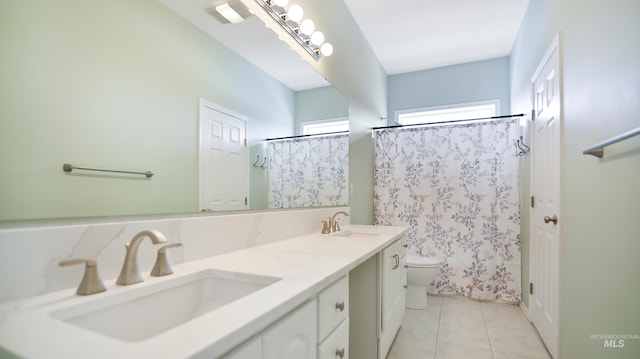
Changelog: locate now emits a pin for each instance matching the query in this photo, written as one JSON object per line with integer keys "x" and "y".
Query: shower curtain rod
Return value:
{"x": 443, "y": 122}
{"x": 301, "y": 136}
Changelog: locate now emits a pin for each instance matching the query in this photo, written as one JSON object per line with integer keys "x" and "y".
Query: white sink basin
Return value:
{"x": 359, "y": 233}
{"x": 141, "y": 314}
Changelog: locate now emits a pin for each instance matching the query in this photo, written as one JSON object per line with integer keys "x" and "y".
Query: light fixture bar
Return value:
{"x": 275, "y": 16}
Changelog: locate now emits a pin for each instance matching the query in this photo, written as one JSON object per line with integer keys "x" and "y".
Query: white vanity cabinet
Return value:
{"x": 317, "y": 329}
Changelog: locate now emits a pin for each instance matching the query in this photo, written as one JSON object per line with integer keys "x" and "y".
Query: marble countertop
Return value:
{"x": 304, "y": 264}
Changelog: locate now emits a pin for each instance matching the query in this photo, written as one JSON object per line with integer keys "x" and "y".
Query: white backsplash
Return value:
{"x": 29, "y": 256}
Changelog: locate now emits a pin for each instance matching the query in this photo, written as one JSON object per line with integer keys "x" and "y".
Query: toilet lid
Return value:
{"x": 418, "y": 261}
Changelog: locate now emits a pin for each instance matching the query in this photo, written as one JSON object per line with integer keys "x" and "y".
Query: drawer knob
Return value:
{"x": 340, "y": 306}
{"x": 340, "y": 353}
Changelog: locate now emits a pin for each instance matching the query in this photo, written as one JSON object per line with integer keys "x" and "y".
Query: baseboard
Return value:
{"x": 525, "y": 310}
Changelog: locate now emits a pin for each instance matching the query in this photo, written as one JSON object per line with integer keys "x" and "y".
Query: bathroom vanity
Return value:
{"x": 302, "y": 297}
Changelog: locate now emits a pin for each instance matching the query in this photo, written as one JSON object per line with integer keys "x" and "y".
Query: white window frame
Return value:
{"x": 448, "y": 113}
{"x": 324, "y": 126}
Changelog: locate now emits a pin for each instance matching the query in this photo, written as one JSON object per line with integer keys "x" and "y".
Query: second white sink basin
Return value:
{"x": 358, "y": 233}
{"x": 141, "y": 314}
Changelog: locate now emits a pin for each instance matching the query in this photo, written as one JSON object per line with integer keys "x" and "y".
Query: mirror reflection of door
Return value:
{"x": 224, "y": 169}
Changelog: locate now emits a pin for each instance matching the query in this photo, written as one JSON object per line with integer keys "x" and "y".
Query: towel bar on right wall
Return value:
{"x": 598, "y": 150}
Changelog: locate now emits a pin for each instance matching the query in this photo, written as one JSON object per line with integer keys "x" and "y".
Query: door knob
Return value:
{"x": 553, "y": 219}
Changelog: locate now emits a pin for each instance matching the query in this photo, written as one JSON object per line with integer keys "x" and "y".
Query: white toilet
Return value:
{"x": 421, "y": 271}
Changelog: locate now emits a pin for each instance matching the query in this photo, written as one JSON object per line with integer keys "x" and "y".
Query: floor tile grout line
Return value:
{"x": 486, "y": 311}
{"x": 486, "y": 328}
{"x": 435, "y": 350}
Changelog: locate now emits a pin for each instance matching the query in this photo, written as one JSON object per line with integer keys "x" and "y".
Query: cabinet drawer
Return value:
{"x": 337, "y": 343}
{"x": 333, "y": 306}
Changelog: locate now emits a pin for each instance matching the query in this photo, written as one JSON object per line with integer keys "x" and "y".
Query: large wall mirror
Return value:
{"x": 118, "y": 85}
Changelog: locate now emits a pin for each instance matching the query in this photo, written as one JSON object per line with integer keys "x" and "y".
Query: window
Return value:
{"x": 456, "y": 112}
{"x": 324, "y": 126}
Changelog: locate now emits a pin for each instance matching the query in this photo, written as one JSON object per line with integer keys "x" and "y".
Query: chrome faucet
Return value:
{"x": 333, "y": 221}
{"x": 130, "y": 274}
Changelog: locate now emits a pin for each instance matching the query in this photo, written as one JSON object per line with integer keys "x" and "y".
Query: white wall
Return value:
{"x": 600, "y": 242}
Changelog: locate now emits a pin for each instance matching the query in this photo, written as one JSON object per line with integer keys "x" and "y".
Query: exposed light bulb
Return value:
{"x": 281, "y": 3}
{"x": 317, "y": 38}
{"x": 295, "y": 13}
{"x": 307, "y": 26}
{"x": 326, "y": 49}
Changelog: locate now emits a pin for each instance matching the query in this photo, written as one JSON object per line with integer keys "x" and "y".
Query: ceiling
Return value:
{"x": 406, "y": 35}
{"x": 412, "y": 35}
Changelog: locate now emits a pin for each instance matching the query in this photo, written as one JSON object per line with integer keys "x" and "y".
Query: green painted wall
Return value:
{"x": 319, "y": 104}
{"x": 116, "y": 84}
{"x": 469, "y": 82}
{"x": 600, "y": 239}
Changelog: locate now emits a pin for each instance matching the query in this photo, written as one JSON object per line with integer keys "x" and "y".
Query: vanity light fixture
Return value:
{"x": 302, "y": 31}
{"x": 307, "y": 27}
{"x": 295, "y": 13}
{"x": 231, "y": 12}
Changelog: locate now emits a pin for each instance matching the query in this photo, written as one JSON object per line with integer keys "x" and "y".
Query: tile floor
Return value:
{"x": 457, "y": 328}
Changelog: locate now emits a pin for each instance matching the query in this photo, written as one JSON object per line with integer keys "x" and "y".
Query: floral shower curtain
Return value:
{"x": 308, "y": 171}
{"x": 456, "y": 187}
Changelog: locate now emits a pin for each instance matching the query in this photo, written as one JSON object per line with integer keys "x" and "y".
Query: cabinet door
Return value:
{"x": 294, "y": 337}
{"x": 393, "y": 277}
{"x": 251, "y": 350}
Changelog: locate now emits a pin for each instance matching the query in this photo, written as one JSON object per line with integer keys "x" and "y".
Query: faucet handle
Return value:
{"x": 91, "y": 282}
{"x": 162, "y": 266}
{"x": 336, "y": 225}
{"x": 325, "y": 227}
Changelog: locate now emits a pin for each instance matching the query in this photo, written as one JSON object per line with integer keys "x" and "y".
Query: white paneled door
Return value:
{"x": 544, "y": 271}
{"x": 224, "y": 166}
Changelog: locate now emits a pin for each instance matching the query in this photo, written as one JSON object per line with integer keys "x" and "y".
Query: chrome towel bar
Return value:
{"x": 67, "y": 167}
{"x": 598, "y": 150}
